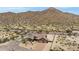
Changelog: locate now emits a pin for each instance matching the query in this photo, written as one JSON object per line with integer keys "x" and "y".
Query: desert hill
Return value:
{"x": 48, "y": 16}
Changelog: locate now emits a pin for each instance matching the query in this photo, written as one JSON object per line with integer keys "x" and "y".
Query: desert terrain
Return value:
{"x": 47, "y": 30}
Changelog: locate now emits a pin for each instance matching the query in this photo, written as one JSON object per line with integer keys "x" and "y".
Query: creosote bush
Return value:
{"x": 23, "y": 41}
{"x": 69, "y": 31}
{"x": 4, "y": 40}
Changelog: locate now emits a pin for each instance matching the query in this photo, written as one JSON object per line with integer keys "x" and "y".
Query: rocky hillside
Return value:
{"x": 49, "y": 16}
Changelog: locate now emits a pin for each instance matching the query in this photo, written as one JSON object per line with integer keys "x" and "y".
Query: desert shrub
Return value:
{"x": 23, "y": 41}
{"x": 0, "y": 41}
{"x": 57, "y": 49}
{"x": 69, "y": 32}
{"x": 74, "y": 44}
{"x": 78, "y": 47}
{"x": 12, "y": 38}
{"x": 51, "y": 50}
{"x": 4, "y": 40}
{"x": 75, "y": 34}
{"x": 78, "y": 44}
{"x": 56, "y": 42}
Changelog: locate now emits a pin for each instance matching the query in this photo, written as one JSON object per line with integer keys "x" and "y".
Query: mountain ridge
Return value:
{"x": 48, "y": 16}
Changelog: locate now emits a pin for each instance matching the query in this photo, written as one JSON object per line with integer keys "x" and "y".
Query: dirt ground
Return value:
{"x": 35, "y": 46}
{"x": 70, "y": 43}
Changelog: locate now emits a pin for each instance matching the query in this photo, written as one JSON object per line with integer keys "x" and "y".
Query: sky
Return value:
{"x": 74, "y": 10}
